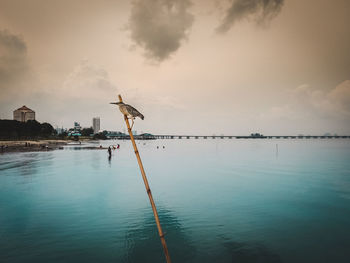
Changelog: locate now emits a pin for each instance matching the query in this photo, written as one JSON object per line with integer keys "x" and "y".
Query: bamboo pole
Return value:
{"x": 148, "y": 190}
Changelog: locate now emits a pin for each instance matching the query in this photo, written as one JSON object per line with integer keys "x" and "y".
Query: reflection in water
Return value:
{"x": 143, "y": 242}
{"x": 28, "y": 167}
{"x": 26, "y": 163}
{"x": 143, "y": 245}
{"x": 109, "y": 160}
{"x": 249, "y": 253}
{"x": 32, "y": 161}
{"x": 95, "y": 160}
{"x": 241, "y": 252}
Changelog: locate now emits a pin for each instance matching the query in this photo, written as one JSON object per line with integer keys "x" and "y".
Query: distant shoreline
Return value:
{"x": 31, "y": 145}
{"x": 17, "y": 146}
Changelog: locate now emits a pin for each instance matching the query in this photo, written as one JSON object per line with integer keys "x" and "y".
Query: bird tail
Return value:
{"x": 141, "y": 116}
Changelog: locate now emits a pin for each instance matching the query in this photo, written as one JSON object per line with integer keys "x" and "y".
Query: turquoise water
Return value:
{"x": 218, "y": 201}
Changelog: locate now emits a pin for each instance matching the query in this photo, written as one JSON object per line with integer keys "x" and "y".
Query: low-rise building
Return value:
{"x": 77, "y": 127}
{"x": 23, "y": 114}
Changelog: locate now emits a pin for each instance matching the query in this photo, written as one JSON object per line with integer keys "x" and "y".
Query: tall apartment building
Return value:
{"x": 96, "y": 124}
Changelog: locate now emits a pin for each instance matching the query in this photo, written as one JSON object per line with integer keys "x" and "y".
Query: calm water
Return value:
{"x": 218, "y": 200}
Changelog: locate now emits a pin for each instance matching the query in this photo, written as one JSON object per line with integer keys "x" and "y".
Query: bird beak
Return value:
{"x": 114, "y": 103}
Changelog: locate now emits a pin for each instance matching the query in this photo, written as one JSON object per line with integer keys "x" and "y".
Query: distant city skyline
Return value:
{"x": 189, "y": 66}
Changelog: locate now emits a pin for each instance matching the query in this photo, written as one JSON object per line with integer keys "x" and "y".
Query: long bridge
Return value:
{"x": 251, "y": 137}
{"x": 172, "y": 136}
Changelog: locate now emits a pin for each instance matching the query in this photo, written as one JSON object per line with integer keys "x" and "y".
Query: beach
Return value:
{"x": 31, "y": 145}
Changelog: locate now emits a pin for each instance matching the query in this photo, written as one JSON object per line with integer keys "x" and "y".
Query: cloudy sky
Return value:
{"x": 190, "y": 66}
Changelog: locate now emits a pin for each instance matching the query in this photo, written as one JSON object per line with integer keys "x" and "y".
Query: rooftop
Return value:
{"x": 24, "y": 108}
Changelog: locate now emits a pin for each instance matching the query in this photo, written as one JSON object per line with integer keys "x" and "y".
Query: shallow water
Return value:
{"x": 218, "y": 201}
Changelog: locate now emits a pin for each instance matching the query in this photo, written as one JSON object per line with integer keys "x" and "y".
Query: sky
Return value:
{"x": 233, "y": 67}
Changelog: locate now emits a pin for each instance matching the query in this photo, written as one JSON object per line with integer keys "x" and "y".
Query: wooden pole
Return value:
{"x": 155, "y": 213}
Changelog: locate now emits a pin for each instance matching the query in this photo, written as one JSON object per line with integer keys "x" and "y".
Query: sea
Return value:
{"x": 219, "y": 200}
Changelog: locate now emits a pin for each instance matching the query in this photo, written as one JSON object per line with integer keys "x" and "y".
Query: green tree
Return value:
{"x": 87, "y": 131}
{"x": 12, "y": 129}
{"x": 47, "y": 130}
{"x": 100, "y": 136}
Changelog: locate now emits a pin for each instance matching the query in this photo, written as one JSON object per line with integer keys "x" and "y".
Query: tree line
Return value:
{"x": 32, "y": 129}
{"x": 16, "y": 130}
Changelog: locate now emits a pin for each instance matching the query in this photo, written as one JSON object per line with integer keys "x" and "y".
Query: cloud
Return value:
{"x": 169, "y": 102}
{"x": 85, "y": 93}
{"x": 88, "y": 81}
{"x": 310, "y": 106}
{"x": 327, "y": 104}
{"x": 340, "y": 96}
{"x": 159, "y": 26}
{"x": 15, "y": 71}
{"x": 262, "y": 10}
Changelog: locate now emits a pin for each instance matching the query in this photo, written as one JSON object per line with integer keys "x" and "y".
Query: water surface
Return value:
{"x": 218, "y": 201}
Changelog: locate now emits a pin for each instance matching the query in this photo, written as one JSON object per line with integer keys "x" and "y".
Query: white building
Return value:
{"x": 23, "y": 114}
{"x": 77, "y": 127}
{"x": 96, "y": 124}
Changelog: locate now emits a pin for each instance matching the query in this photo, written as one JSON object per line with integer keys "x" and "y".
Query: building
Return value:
{"x": 60, "y": 130}
{"x": 76, "y": 130}
{"x": 23, "y": 114}
{"x": 115, "y": 135}
{"x": 96, "y": 124}
{"x": 77, "y": 127}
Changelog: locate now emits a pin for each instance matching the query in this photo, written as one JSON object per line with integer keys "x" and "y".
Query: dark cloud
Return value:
{"x": 10, "y": 42}
{"x": 262, "y": 10}
{"x": 159, "y": 26}
{"x": 13, "y": 61}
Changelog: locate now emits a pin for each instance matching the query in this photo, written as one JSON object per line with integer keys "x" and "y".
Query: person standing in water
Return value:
{"x": 110, "y": 151}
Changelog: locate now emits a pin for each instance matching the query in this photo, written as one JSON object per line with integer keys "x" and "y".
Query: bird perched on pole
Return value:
{"x": 129, "y": 111}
